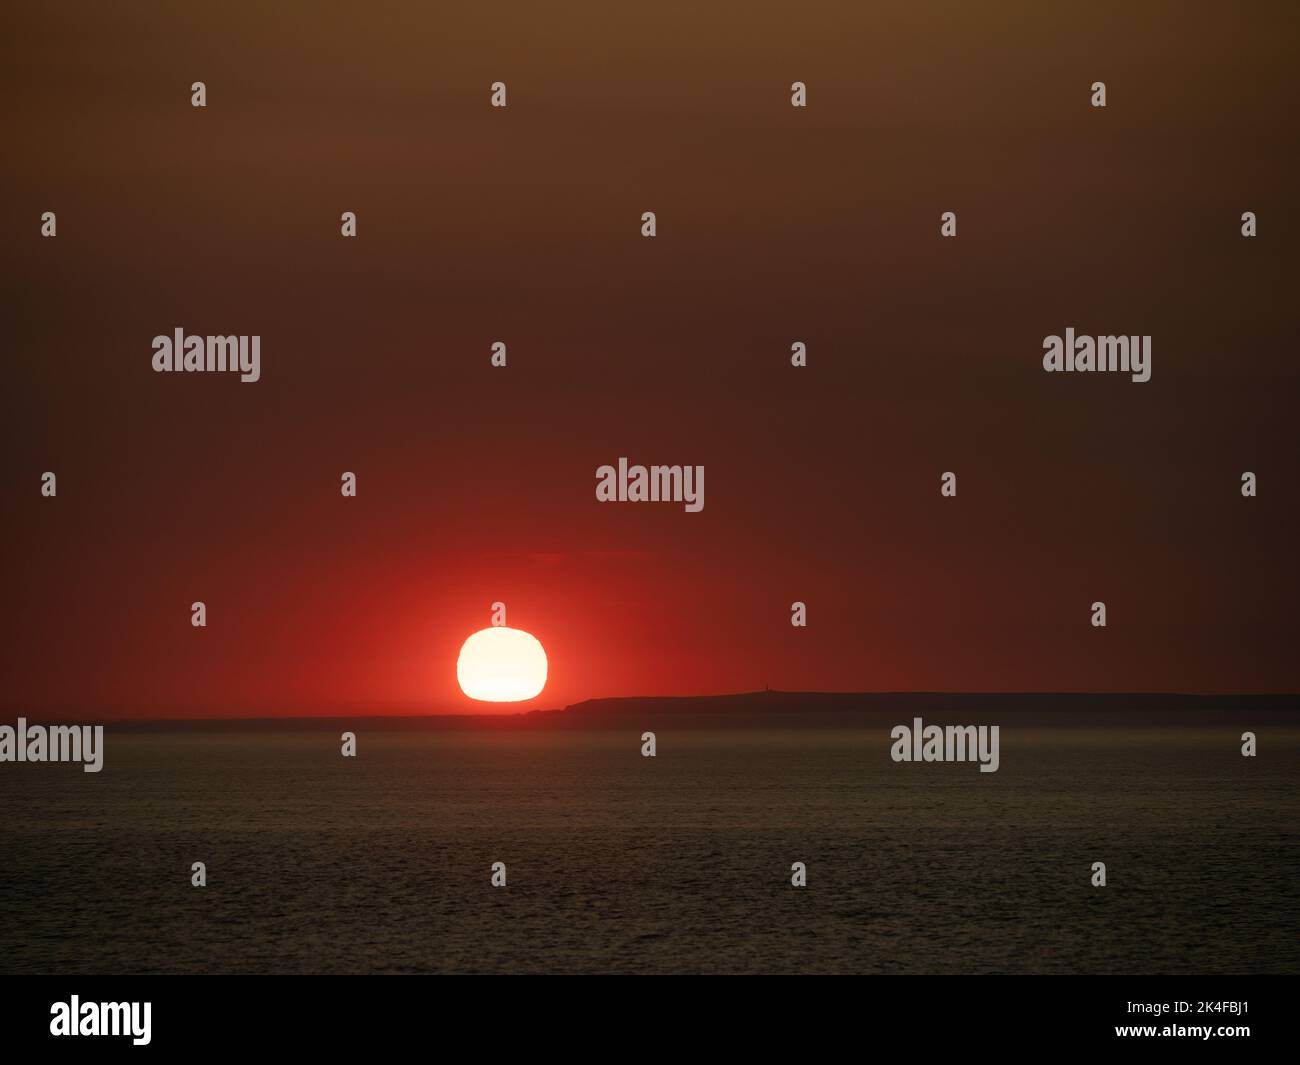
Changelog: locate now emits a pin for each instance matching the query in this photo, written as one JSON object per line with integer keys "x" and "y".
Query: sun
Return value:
{"x": 501, "y": 665}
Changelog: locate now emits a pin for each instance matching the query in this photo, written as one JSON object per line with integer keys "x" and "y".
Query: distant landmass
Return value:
{"x": 1025, "y": 708}
{"x": 928, "y": 702}
{"x": 826, "y": 709}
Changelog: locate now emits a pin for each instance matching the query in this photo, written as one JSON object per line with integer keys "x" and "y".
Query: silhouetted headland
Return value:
{"x": 820, "y": 709}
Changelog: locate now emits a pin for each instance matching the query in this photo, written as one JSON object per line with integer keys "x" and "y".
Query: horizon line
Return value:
{"x": 165, "y": 717}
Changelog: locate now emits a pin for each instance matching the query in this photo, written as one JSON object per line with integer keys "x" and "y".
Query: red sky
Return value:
{"x": 775, "y": 225}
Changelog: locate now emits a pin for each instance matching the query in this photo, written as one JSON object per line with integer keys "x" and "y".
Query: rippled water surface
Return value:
{"x": 681, "y": 863}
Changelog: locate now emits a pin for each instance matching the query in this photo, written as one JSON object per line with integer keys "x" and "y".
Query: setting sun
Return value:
{"x": 501, "y": 665}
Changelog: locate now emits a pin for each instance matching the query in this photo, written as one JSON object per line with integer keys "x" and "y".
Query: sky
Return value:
{"x": 775, "y": 224}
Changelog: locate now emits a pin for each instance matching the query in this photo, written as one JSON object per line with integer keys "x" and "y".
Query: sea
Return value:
{"x": 679, "y": 863}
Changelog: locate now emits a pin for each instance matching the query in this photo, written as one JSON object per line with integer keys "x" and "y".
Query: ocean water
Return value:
{"x": 680, "y": 863}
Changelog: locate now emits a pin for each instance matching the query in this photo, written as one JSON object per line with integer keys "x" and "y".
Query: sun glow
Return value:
{"x": 501, "y": 665}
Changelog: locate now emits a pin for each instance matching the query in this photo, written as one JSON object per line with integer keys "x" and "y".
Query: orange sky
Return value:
{"x": 775, "y": 225}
